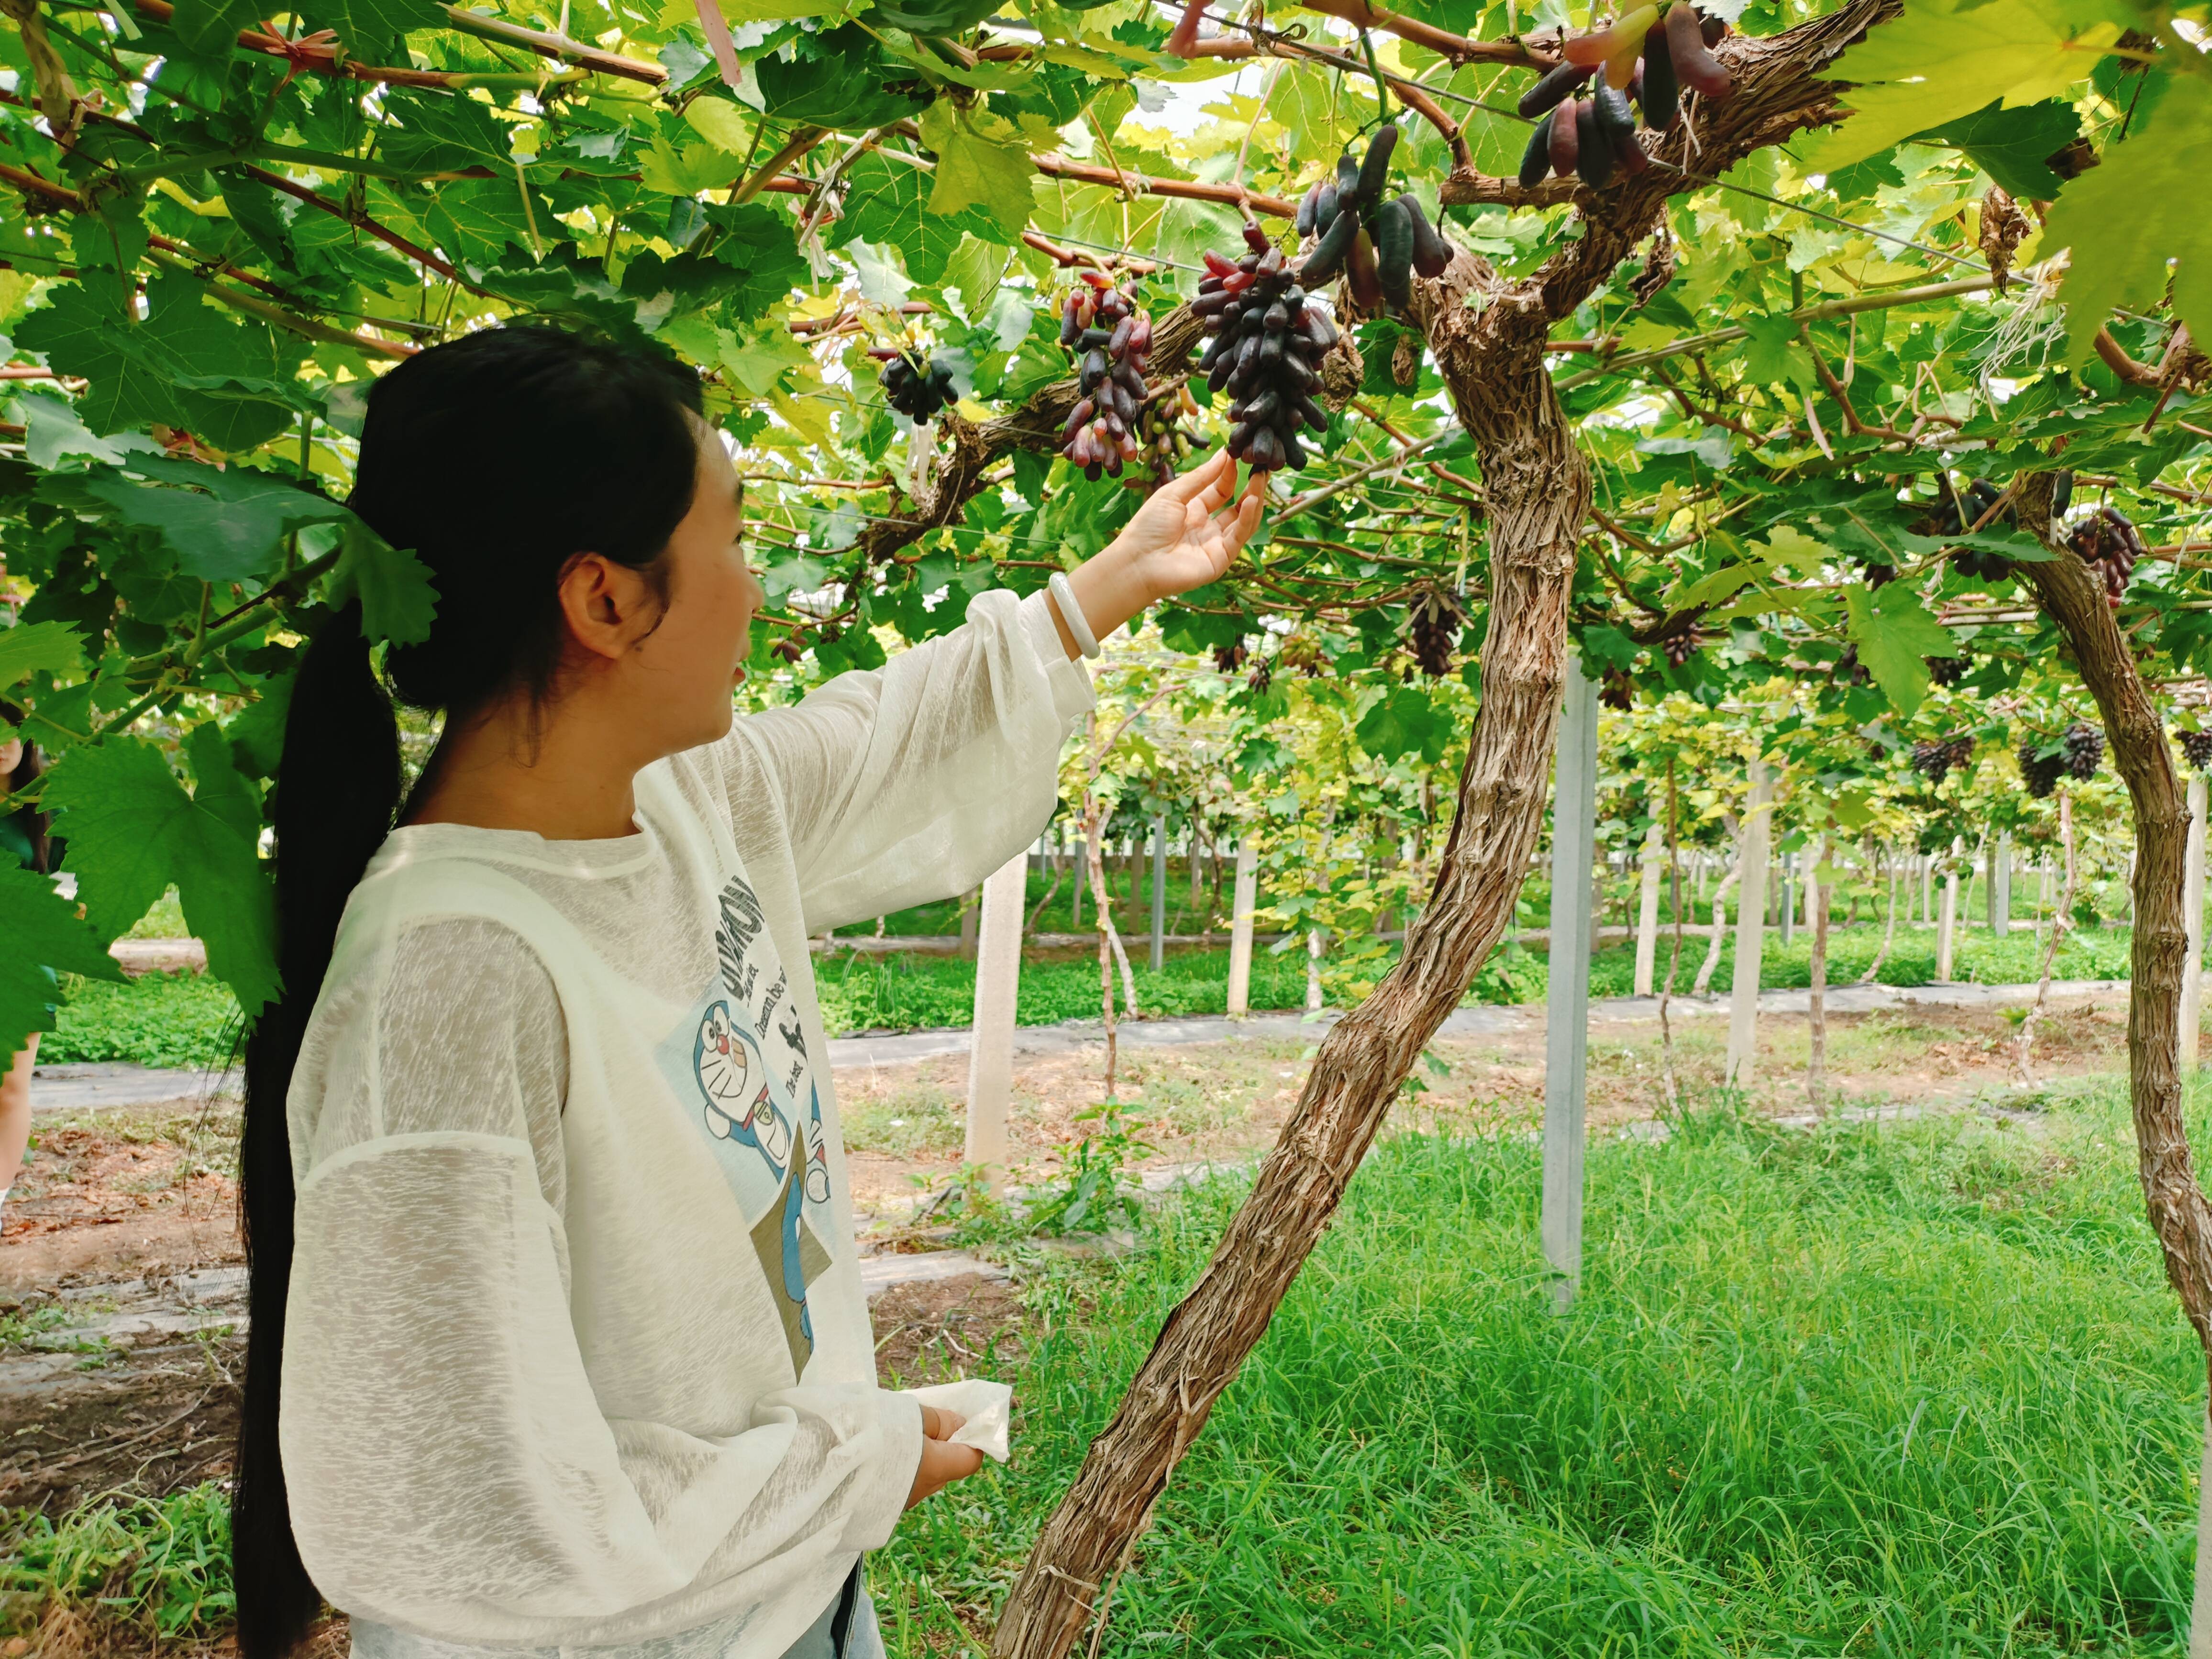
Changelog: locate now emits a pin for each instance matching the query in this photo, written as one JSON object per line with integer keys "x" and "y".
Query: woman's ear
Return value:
{"x": 608, "y": 607}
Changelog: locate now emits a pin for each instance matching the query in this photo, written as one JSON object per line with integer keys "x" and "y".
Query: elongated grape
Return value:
{"x": 1661, "y": 93}
{"x": 1593, "y": 147}
{"x": 1612, "y": 111}
{"x": 1627, "y": 35}
{"x": 1431, "y": 253}
{"x": 1695, "y": 66}
{"x": 1393, "y": 252}
{"x": 1537, "y": 160}
{"x": 1557, "y": 86}
{"x": 1566, "y": 122}
{"x": 1375, "y": 171}
{"x": 1327, "y": 259}
{"x": 1305, "y": 216}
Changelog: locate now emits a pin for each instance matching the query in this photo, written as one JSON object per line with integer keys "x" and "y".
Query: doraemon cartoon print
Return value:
{"x": 740, "y": 1064}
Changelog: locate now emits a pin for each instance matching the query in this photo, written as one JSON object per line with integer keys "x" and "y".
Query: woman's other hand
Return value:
{"x": 1183, "y": 538}
{"x": 942, "y": 1463}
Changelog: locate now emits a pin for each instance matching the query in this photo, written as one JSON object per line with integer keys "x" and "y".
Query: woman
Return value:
{"x": 558, "y": 1336}
{"x": 23, "y": 841}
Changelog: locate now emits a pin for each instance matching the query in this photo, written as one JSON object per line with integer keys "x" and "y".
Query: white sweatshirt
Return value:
{"x": 577, "y": 1350}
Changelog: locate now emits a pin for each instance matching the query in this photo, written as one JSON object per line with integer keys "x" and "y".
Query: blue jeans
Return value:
{"x": 847, "y": 1628}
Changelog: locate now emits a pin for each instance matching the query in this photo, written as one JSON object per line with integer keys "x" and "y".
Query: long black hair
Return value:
{"x": 29, "y": 766}
{"x": 495, "y": 458}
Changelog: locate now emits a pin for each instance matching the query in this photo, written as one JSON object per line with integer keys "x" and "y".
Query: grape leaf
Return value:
{"x": 1404, "y": 721}
{"x": 886, "y": 204}
{"x": 976, "y": 169}
{"x": 234, "y": 532}
{"x": 28, "y": 647}
{"x": 45, "y": 937}
{"x": 210, "y": 27}
{"x": 133, "y": 830}
{"x": 372, "y": 29}
{"x": 1894, "y": 634}
{"x": 2013, "y": 145}
{"x": 2125, "y": 219}
{"x": 2016, "y": 51}
{"x": 398, "y": 598}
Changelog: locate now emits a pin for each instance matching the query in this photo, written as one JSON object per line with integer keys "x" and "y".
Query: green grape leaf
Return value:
{"x": 372, "y": 29}
{"x": 1894, "y": 634}
{"x": 133, "y": 830}
{"x": 398, "y": 598}
{"x": 45, "y": 937}
{"x": 231, "y": 530}
{"x": 28, "y": 648}
{"x": 2013, "y": 145}
{"x": 976, "y": 169}
{"x": 210, "y": 27}
{"x": 2016, "y": 51}
{"x": 839, "y": 78}
{"x": 2124, "y": 221}
{"x": 218, "y": 786}
{"x": 1404, "y": 721}
{"x": 887, "y": 204}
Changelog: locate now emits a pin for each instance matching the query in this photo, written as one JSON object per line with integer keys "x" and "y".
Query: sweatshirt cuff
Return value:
{"x": 1070, "y": 680}
{"x": 888, "y": 1479}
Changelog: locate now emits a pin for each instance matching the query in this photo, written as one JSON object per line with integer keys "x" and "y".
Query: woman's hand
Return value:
{"x": 1183, "y": 538}
{"x": 942, "y": 1463}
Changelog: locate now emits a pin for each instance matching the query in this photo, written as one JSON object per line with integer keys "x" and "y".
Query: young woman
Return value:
{"x": 22, "y": 842}
{"x": 558, "y": 1336}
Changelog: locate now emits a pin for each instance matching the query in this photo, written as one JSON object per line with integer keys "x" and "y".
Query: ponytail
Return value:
{"x": 340, "y": 781}
{"x": 496, "y": 459}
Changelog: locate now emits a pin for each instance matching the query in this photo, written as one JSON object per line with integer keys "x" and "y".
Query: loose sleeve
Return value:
{"x": 916, "y": 781}
{"x": 450, "y": 1469}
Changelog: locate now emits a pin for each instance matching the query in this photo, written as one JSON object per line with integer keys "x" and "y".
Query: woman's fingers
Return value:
{"x": 939, "y": 1424}
{"x": 1205, "y": 476}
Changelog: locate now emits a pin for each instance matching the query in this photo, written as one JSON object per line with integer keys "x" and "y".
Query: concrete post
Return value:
{"x": 1789, "y": 917}
{"x": 1240, "y": 929}
{"x": 991, "y": 1045}
{"x": 1946, "y": 925}
{"x": 1750, "y": 932}
{"x": 2000, "y": 885}
{"x": 1647, "y": 913}
{"x": 2192, "y": 908}
{"x": 1566, "y": 1042}
{"x": 1159, "y": 892}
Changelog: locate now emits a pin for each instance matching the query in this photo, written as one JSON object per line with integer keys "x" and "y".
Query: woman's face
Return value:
{"x": 11, "y": 752}
{"x": 698, "y": 650}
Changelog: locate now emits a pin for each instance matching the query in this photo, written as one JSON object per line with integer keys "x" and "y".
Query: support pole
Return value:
{"x": 1567, "y": 1041}
{"x": 2192, "y": 917}
{"x": 1647, "y": 913}
{"x": 1159, "y": 893}
{"x": 1788, "y": 916}
{"x": 1750, "y": 930}
{"x": 1946, "y": 925}
{"x": 2001, "y": 885}
{"x": 991, "y": 1045}
{"x": 1240, "y": 929}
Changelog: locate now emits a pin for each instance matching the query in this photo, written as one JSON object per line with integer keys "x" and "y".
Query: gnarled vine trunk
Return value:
{"x": 2073, "y": 596}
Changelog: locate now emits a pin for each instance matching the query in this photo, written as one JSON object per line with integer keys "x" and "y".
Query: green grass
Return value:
{"x": 1910, "y": 1390}
{"x": 163, "y": 1562}
{"x": 187, "y": 1020}
{"x": 909, "y": 992}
